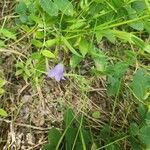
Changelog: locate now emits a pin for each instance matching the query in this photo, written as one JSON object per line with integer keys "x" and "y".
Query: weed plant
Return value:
{"x": 100, "y": 39}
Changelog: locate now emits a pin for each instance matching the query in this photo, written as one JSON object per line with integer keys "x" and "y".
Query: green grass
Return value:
{"x": 104, "y": 101}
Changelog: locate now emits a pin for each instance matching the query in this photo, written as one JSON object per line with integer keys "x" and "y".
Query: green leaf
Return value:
{"x": 144, "y": 135}
{"x": 141, "y": 83}
{"x": 18, "y": 72}
{"x": 72, "y": 126}
{"x": 138, "y": 25}
{"x": 74, "y": 61}
{"x": 65, "y": 6}
{"x": 76, "y": 24}
{"x": 94, "y": 147}
{"x": 3, "y": 113}
{"x": 115, "y": 77}
{"x": 147, "y": 119}
{"x": 138, "y": 5}
{"x": 70, "y": 47}
{"x": 105, "y": 132}
{"x": 8, "y": 34}
{"x": 54, "y": 136}
{"x": 21, "y": 8}
{"x": 2, "y": 44}
{"x": 84, "y": 46}
{"x": 134, "y": 129}
{"x": 101, "y": 63}
{"x": 48, "y": 147}
{"x": 47, "y": 53}
{"x": 49, "y": 7}
{"x": 96, "y": 114}
{"x": 2, "y": 82}
{"x": 2, "y": 91}
{"x": 50, "y": 42}
{"x": 37, "y": 43}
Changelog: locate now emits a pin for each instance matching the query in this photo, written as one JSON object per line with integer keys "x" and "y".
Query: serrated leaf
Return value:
{"x": 3, "y": 113}
{"x": 47, "y": 53}
{"x": 64, "y": 6}
{"x": 49, "y": 7}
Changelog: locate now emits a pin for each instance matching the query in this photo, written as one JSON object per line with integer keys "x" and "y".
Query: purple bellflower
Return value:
{"x": 57, "y": 72}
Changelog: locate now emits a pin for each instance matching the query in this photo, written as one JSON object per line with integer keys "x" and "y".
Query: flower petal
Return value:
{"x": 57, "y": 72}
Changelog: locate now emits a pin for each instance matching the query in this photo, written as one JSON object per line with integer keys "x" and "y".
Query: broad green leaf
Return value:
{"x": 37, "y": 43}
{"x": 47, "y": 53}
{"x": 65, "y": 6}
{"x": 144, "y": 135}
{"x": 49, "y": 7}
{"x": 3, "y": 113}
{"x": 141, "y": 83}
{"x": 84, "y": 46}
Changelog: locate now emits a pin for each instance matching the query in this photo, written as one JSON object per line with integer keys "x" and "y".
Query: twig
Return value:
{"x": 26, "y": 125}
